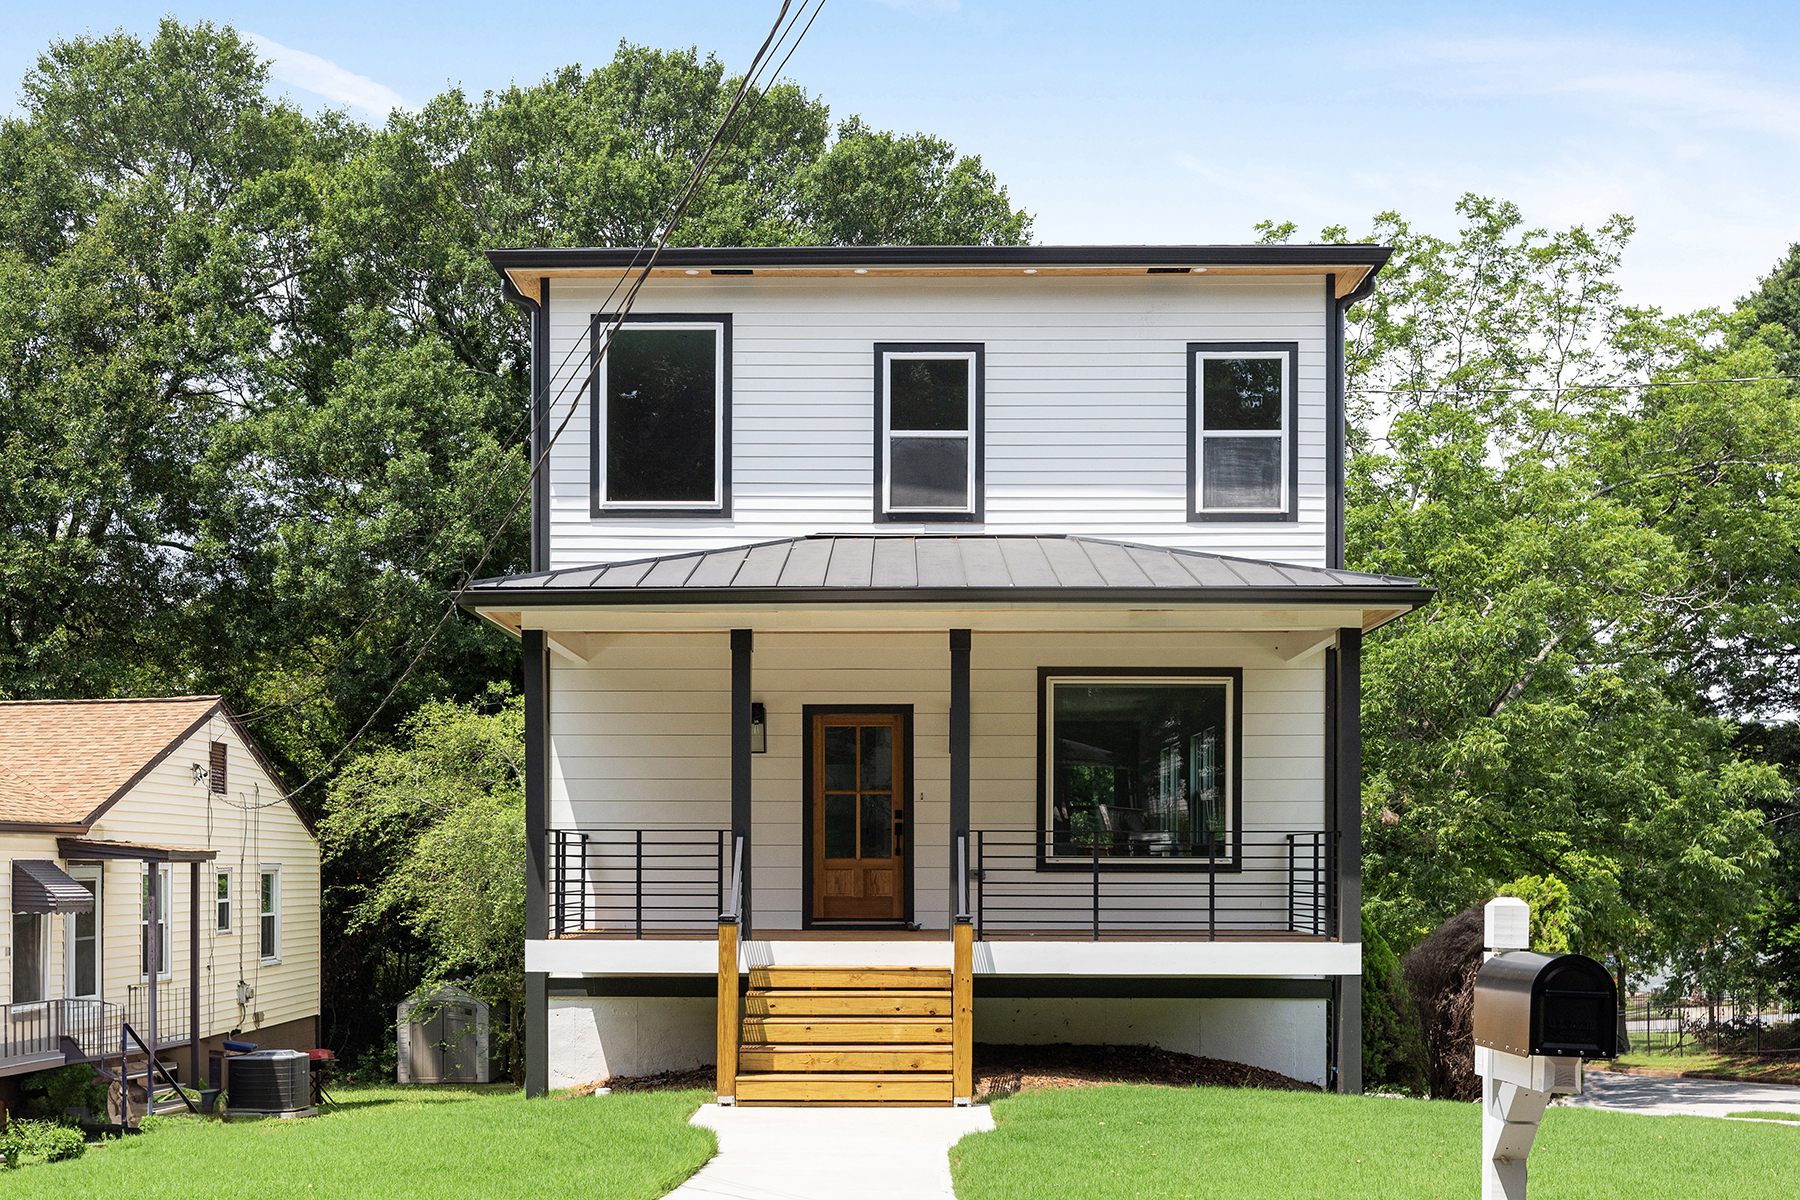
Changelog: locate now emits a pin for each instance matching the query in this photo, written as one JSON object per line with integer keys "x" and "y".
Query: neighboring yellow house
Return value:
{"x": 94, "y": 794}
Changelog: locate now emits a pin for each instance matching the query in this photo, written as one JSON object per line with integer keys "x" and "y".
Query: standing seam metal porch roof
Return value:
{"x": 943, "y": 568}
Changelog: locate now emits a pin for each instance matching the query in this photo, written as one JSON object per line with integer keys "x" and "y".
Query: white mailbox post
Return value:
{"x": 1537, "y": 1016}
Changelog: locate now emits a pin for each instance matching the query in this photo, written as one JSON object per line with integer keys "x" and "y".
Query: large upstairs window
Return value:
{"x": 661, "y": 425}
{"x": 1242, "y": 455}
{"x": 928, "y": 431}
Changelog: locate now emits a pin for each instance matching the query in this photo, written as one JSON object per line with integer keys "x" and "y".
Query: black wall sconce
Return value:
{"x": 759, "y": 729}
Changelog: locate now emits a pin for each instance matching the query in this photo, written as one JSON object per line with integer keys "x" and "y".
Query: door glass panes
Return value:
{"x": 877, "y": 758}
{"x": 1139, "y": 770}
{"x": 930, "y": 413}
{"x": 877, "y": 825}
{"x": 1242, "y": 436}
{"x": 858, "y": 813}
{"x": 840, "y": 826}
{"x": 840, "y": 758}
{"x": 662, "y": 408}
{"x": 85, "y": 969}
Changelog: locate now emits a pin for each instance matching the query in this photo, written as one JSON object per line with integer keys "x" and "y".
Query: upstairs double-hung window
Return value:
{"x": 928, "y": 431}
{"x": 661, "y": 416}
{"x": 1242, "y": 459}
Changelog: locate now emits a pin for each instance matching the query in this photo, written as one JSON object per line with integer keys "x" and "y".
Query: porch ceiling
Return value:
{"x": 947, "y": 572}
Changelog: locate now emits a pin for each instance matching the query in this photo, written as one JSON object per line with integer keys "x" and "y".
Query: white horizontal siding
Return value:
{"x": 640, "y": 737}
{"x": 1086, "y": 394}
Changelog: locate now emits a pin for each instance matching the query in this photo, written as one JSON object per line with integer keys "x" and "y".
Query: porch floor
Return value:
{"x": 1073, "y": 934}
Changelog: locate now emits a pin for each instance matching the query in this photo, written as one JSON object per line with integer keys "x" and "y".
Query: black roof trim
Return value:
{"x": 1331, "y": 255}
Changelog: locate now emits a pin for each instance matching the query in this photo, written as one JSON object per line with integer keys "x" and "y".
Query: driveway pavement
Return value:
{"x": 831, "y": 1153}
{"x": 1693, "y": 1097}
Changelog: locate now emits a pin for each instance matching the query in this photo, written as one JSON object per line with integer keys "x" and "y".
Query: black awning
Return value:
{"x": 40, "y": 886}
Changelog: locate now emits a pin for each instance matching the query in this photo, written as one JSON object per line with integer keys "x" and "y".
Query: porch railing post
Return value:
{"x": 638, "y": 885}
{"x": 558, "y": 847}
{"x": 1212, "y": 888}
{"x": 1096, "y": 885}
{"x": 980, "y": 878}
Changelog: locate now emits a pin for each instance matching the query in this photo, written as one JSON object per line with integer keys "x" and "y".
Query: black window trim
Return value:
{"x": 1231, "y": 863}
{"x": 1291, "y": 426}
{"x": 977, "y": 435}
{"x": 598, "y": 509}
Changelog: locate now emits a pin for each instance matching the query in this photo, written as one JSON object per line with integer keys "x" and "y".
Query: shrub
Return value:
{"x": 25, "y": 1142}
{"x": 1440, "y": 974}
{"x": 50, "y": 1093}
{"x": 1393, "y": 1044}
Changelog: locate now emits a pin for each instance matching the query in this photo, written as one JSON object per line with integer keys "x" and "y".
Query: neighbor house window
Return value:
{"x": 28, "y": 957}
{"x": 1140, "y": 767}
{"x": 84, "y": 937}
{"x": 271, "y": 914}
{"x": 161, "y": 932}
{"x": 222, "y": 891}
{"x": 928, "y": 431}
{"x": 1241, "y": 417}
{"x": 661, "y": 416}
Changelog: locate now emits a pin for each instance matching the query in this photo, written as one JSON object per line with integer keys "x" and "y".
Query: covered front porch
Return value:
{"x": 1137, "y": 784}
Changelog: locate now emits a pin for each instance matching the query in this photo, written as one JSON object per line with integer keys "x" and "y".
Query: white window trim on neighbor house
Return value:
{"x": 93, "y": 874}
{"x": 888, "y": 353}
{"x": 720, "y": 503}
{"x": 268, "y": 903}
{"x": 222, "y": 905}
{"x": 165, "y": 899}
{"x": 1288, "y": 354}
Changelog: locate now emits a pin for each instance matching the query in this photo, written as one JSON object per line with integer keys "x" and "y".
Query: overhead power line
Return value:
{"x": 1579, "y": 387}
{"x": 637, "y": 277}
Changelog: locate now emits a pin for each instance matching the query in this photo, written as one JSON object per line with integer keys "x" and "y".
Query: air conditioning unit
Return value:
{"x": 271, "y": 1083}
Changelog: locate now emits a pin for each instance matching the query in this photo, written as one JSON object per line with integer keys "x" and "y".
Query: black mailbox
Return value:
{"x": 1558, "y": 1006}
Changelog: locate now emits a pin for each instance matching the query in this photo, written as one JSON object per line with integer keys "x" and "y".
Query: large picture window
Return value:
{"x": 1242, "y": 456}
{"x": 1140, "y": 767}
{"x": 928, "y": 431}
{"x": 661, "y": 416}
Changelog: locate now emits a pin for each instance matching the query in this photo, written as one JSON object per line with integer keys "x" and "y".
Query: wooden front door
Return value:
{"x": 858, "y": 817}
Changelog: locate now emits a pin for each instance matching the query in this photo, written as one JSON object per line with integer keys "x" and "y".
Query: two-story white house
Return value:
{"x": 933, "y": 645}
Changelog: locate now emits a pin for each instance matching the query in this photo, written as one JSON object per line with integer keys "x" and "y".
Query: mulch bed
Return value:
{"x": 1003, "y": 1070}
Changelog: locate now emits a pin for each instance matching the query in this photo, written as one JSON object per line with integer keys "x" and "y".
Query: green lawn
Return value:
{"x": 1782, "y": 1069}
{"x": 1138, "y": 1143}
{"x": 399, "y": 1143}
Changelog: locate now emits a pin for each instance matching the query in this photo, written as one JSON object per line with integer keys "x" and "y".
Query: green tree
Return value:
{"x": 424, "y": 849}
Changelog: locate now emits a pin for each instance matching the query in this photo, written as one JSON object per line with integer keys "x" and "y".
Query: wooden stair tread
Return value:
{"x": 849, "y": 1076}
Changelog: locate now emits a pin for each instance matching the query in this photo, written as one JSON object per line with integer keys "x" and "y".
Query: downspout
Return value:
{"x": 539, "y": 435}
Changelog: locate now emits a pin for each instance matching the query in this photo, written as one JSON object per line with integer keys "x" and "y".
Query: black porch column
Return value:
{"x": 960, "y": 640}
{"x": 537, "y": 835}
{"x": 742, "y": 642}
{"x": 1347, "y": 792}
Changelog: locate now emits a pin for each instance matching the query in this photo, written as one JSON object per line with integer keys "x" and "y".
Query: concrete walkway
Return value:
{"x": 1692, "y": 1097}
{"x": 831, "y": 1153}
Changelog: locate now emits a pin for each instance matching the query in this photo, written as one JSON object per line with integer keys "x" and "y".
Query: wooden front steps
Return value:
{"x": 846, "y": 1035}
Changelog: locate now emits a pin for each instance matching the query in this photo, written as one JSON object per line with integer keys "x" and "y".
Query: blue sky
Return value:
{"x": 1153, "y": 122}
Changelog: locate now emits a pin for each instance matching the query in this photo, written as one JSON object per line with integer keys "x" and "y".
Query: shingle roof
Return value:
{"x": 943, "y": 568}
{"x": 63, "y": 760}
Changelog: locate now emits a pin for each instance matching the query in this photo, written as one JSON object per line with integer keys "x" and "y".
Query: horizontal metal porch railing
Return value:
{"x": 633, "y": 882}
{"x": 1255, "y": 881}
{"x": 172, "y": 1013}
{"x": 37, "y": 1028}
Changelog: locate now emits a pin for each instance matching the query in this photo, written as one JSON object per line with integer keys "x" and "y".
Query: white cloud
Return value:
{"x": 299, "y": 69}
{"x": 1641, "y": 79}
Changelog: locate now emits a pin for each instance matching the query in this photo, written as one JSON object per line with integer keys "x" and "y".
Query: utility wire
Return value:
{"x": 552, "y": 374}
{"x": 616, "y": 319}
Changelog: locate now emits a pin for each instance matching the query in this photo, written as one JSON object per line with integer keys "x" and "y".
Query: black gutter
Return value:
{"x": 1136, "y": 597}
{"x": 540, "y": 398}
{"x": 772, "y": 257}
